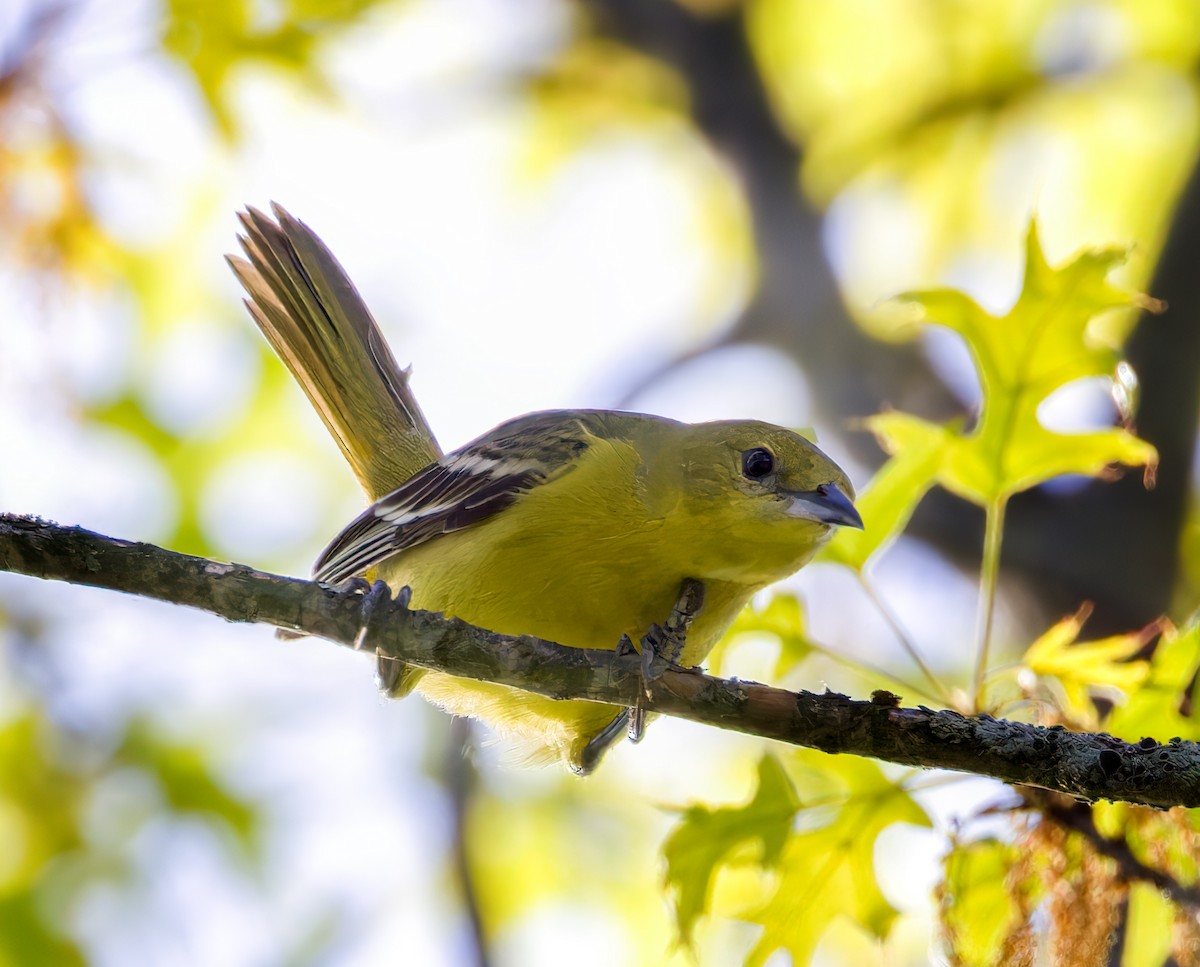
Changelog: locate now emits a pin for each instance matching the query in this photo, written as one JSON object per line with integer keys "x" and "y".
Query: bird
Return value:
{"x": 577, "y": 526}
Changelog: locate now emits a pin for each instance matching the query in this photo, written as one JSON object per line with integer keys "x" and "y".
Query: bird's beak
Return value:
{"x": 826, "y": 505}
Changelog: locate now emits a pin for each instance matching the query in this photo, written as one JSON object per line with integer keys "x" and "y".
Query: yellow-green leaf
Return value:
{"x": 981, "y": 904}
{"x": 1078, "y": 667}
{"x": 705, "y": 839}
{"x": 1048, "y": 339}
{"x": 828, "y": 870}
{"x": 595, "y": 86}
{"x": 978, "y": 909}
{"x": 212, "y": 38}
{"x": 1148, "y": 928}
{"x": 888, "y": 501}
{"x": 782, "y": 618}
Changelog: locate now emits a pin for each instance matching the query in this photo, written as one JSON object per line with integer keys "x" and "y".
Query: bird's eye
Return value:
{"x": 757, "y": 463}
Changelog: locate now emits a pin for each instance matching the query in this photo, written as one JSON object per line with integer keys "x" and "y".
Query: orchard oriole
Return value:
{"x": 579, "y": 526}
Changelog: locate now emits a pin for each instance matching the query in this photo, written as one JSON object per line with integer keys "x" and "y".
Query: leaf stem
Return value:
{"x": 989, "y": 574}
{"x": 902, "y": 635}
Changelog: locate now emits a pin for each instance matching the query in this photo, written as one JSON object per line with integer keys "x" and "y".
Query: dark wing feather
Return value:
{"x": 459, "y": 490}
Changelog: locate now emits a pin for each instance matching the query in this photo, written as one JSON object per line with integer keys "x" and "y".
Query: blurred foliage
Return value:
{"x": 1063, "y": 891}
{"x": 869, "y": 84}
{"x": 528, "y": 846}
{"x": 707, "y": 838}
{"x": 794, "y": 867}
{"x": 598, "y": 86}
{"x": 826, "y": 871}
{"x": 928, "y": 112}
{"x": 782, "y": 620}
{"x": 72, "y": 814}
{"x": 215, "y": 40}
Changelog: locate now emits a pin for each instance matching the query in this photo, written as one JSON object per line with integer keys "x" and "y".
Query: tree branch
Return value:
{"x": 1082, "y": 765}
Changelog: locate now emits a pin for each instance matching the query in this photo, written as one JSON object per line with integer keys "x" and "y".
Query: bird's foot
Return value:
{"x": 389, "y": 670}
{"x": 662, "y": 647}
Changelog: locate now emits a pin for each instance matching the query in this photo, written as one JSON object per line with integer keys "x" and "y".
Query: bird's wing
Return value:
{"x": 459, "y": 490}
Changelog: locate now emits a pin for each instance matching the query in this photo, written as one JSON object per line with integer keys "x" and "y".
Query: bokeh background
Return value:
{"x": 691, "y": 207}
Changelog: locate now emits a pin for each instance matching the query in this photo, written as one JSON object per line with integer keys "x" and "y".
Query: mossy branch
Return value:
{"x": 1086, "y": 766}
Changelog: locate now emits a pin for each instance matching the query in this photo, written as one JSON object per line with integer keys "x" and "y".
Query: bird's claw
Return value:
{"x": 372, "y": 594}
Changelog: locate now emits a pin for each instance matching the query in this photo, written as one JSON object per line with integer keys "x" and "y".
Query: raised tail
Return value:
{"x": 316, "y": 321}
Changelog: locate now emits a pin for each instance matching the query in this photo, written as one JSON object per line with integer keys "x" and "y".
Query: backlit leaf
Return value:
{"x": 1048, "y": 339}
{"x": 783, "y": 619}
{"x": 1077, "y": 668}
{"x": 706, "y": 838}
{"x": 888, "y": 501}
{"x": 1164, "y": 705}
{"x": 978, "y": 910}
{"x": 827, "y": 870}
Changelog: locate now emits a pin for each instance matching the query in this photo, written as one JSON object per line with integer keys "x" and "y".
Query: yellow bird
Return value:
{"x": 579, "y": 526}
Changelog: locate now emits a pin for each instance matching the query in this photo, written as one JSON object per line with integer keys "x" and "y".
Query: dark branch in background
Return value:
{"x": 797, "y": 307}
{"x": 1128, "y": 566}
{"x": 1082, "y": 765}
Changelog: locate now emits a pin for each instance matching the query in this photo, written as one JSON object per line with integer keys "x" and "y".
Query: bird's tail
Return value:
{"x": 316, "y": 321}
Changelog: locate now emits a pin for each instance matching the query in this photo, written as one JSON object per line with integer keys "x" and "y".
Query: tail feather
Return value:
{"x": 318, "y": 324}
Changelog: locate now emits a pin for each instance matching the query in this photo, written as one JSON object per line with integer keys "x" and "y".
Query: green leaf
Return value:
{"x": 706, "y": 837}
{"x": 782, "y": 618}
{"x": 1050, "y": 338}
{"x": 189, "y": 783}
{"x": 593, "y": 87}
{"x": 828, "y": 870}
{"x": 213, "y": 38}
{"x": 28, "y": 937}
{"x": 1160, "y": 840}
{"x": 1165, "y": 704}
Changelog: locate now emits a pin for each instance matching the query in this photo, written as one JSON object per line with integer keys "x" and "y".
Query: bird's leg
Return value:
{"x": 661, "y": 643}
{"x": 665, "y": 643}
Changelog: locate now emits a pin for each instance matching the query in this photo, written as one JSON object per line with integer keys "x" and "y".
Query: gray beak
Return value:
{"x": 826, "y": 505}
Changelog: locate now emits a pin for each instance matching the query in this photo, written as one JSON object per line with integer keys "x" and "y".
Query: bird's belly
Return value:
{"x": 506, "y": 586}
{"x": 592, "y": 604}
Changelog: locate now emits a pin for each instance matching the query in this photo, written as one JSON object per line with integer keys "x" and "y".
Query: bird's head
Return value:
{"x": 768, "y": 497}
